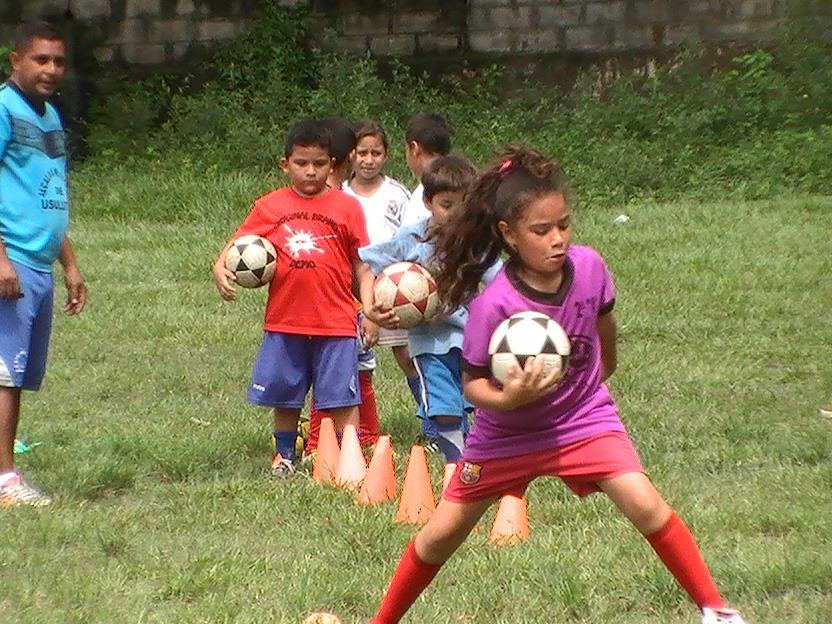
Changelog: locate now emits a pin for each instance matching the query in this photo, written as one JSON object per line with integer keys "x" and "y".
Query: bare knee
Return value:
{"x": 639, "y": 501}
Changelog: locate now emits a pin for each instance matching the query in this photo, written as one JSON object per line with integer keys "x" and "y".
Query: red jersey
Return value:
{"x": 317, "y": 241}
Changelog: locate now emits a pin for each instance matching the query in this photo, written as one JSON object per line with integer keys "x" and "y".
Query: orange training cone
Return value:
{"x": 380, "y": 483}
{"x": 511, "y": 525}
{"x": 416, "y": 505}
{"x": 326, "y": 455}
{"x": 352, "y": 466}
{"x": 449, "y": 473}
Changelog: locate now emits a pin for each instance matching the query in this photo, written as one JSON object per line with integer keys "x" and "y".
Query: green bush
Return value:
{"x": 5, "y": 63}
{"x": 754, "y": 127}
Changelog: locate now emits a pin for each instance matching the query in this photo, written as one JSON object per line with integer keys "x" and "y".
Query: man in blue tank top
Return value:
{"x": 34, "y": 216}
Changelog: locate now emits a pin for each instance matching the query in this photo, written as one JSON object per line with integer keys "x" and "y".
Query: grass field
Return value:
{"x": 164, "y": 512}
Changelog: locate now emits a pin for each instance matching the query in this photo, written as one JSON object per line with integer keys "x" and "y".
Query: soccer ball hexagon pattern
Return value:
{"x": 252, "y": 259}
{"x": 524, "y": 335}
{"x": 408, "y": 289}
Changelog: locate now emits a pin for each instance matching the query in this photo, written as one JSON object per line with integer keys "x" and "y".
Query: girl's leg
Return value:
{"x": 315, "y": 418}
{"x": 369, "y": 429}
{"x": 434, "y": 544}
{"x": 637, "y": 498}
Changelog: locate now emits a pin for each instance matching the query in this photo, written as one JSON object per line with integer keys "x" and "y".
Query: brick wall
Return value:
{"x": 163, "y": 32}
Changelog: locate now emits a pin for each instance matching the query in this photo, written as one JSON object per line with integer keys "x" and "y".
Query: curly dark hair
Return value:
{"x": 470, "y": 242}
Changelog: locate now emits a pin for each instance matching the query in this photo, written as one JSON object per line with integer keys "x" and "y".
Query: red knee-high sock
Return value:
{"x": 678, "y": 551}
{"x": 314, "y": 427}
{"x": 369, "y": 428}
{"x": 410, "y": 579}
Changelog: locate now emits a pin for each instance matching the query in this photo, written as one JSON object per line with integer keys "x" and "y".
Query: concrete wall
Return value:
{"x": 164, "y": 32}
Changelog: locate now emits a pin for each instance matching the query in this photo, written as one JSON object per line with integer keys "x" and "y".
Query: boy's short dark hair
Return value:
{"x": 306, "y": 133}
{"x": 448, "y": 174}
{"x": 35, "y": 30}
{"x": 430, "y": 131}
{"x": 343, "y": 139}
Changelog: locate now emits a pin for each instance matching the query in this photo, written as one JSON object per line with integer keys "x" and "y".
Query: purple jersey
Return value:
{"x": 581, "y": 406}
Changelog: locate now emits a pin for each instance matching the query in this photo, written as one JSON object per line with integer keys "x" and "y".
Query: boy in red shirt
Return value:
{"x": 310, "y": 333}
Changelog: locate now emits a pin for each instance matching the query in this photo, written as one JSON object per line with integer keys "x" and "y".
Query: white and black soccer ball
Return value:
{"x": 409, "y": 290}
{"x": 524, "y": 335}
{"x": 252, "y": 259}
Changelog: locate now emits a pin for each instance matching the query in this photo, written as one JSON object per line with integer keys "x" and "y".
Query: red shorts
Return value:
{"x": 581, "y": 465}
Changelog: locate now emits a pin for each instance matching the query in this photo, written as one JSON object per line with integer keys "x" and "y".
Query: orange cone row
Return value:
{"x": 347, "y": 468}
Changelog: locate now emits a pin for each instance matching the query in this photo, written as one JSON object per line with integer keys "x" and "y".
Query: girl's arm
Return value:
{"x": 523, "y": 386}
{"x": 608, "y": 334}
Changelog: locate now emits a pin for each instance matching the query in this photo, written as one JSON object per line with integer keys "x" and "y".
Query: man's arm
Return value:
{"x": 76, "y": 290}
{"x": 9, "y": 286}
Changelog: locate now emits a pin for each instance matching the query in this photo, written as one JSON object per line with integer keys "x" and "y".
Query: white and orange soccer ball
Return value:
{"x": 409, "y": 290}
{"x": 252, "y": 259}
{"x": 524, "y": 335}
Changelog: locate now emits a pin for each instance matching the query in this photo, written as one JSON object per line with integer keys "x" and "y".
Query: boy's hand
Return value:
{"x": 224, "y": 279}
{"x": 369, "y": 332}
{"x": 384, "y": 318}
{"x": 530, "y": 383}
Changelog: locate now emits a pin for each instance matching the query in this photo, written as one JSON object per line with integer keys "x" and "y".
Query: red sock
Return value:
{"x": 410, "y": 579}
{"x": 314, "y": 427}
{"x": 369, "y": 428}
{"x": 678, "y": 551}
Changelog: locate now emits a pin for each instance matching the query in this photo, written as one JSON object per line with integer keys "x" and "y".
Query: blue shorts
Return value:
{"x": 25, "y": 328}
{"x": 441, "y": 377}
{"x": 289, "y": 364}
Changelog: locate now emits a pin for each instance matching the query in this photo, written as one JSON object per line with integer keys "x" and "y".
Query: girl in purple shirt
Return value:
{"x": 537, "y": 423}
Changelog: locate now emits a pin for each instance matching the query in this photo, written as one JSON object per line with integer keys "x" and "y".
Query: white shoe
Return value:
{"x": 722, "y": 615}
{"x": 16, "y": 491}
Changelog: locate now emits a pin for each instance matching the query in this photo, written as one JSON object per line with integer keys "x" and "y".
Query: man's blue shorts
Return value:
{"x": 289, "y": 364}
{"x": 441, "y": 377}
{"x": 25, "y": 328}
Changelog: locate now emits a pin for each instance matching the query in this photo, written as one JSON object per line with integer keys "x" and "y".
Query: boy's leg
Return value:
{"x": 442, "y": 401}
{"x": 286, "y": 432}
{"x": 280, "y": 380}
{"x": 335, "y": 383}
{"x": 451, "y": 438}
{"x": 634, "y": 494}
{"x": 434, "y": 544}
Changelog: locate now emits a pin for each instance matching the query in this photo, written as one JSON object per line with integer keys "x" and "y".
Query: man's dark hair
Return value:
{"x": 307, "y": 133}
{"x": 431, "y": 132}
{"x": 343, "y": 139}
{"x": 36, "y": 30}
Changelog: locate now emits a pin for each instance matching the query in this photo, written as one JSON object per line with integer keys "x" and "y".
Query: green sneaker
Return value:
{"x": 16, "y": 492}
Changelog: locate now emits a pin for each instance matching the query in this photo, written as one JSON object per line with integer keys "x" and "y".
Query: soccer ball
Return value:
{"x": 322, "y": 618}
{"x": 524, "y": 335}
{"x": 252, "y": 259}
{"x": 409, "y": 290}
